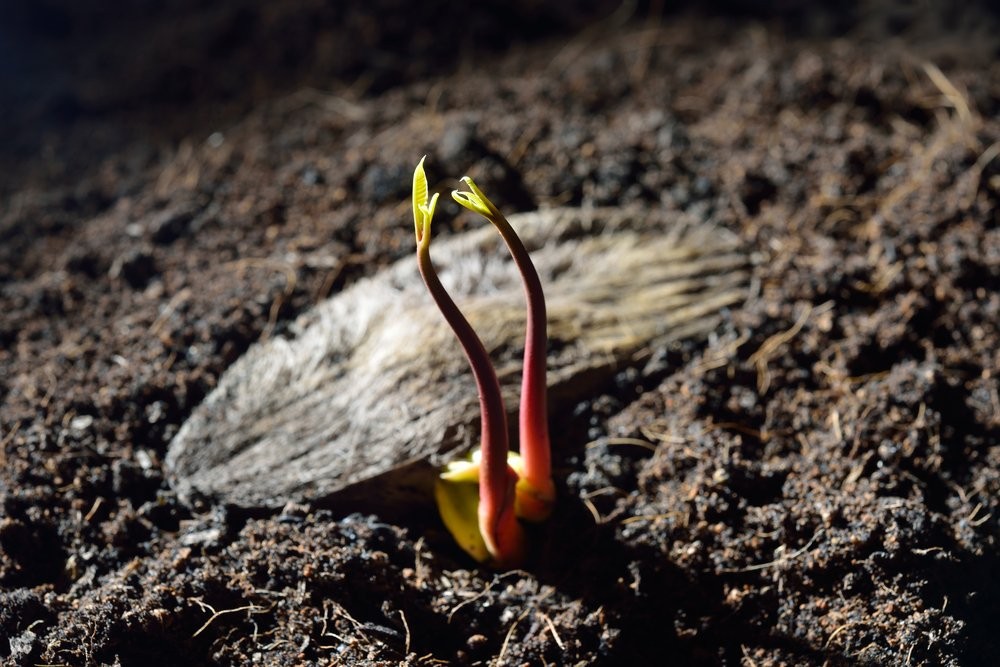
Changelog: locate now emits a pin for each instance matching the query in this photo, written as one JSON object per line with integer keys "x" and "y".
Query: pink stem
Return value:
{"x": 496, "y": 479}
{"x": 534, "y": 424}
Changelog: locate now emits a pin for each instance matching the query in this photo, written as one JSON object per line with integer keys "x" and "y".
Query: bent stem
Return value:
{"x": 498, "y": 525}
{"x": 536, "y": 492}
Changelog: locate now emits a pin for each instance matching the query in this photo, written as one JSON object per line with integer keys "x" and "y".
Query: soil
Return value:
{"x": 816, "y": 484}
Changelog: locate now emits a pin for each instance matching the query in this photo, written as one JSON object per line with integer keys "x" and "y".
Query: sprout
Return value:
{"x": 535, "y": 490}
{"x": 490, "y": 532}
{"x": 511, "y": 486}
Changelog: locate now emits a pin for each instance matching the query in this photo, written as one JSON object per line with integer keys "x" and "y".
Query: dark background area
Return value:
{"x": 78, "y": 80}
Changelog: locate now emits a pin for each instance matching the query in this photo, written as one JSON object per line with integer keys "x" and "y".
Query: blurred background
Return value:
{"x": 78, "y": 80}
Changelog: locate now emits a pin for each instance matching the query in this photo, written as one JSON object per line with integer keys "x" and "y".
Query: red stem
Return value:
{"x": 534, "y": 425}
{"x": 496, "y": 479}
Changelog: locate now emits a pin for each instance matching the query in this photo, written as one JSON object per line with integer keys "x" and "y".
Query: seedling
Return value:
{"x": 509, "y": 485}
{"x": 535, "y": 490}
{"x": 489, "y": 532}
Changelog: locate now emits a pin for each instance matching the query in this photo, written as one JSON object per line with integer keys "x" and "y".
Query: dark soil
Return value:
{"x": 818, "y": 484}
